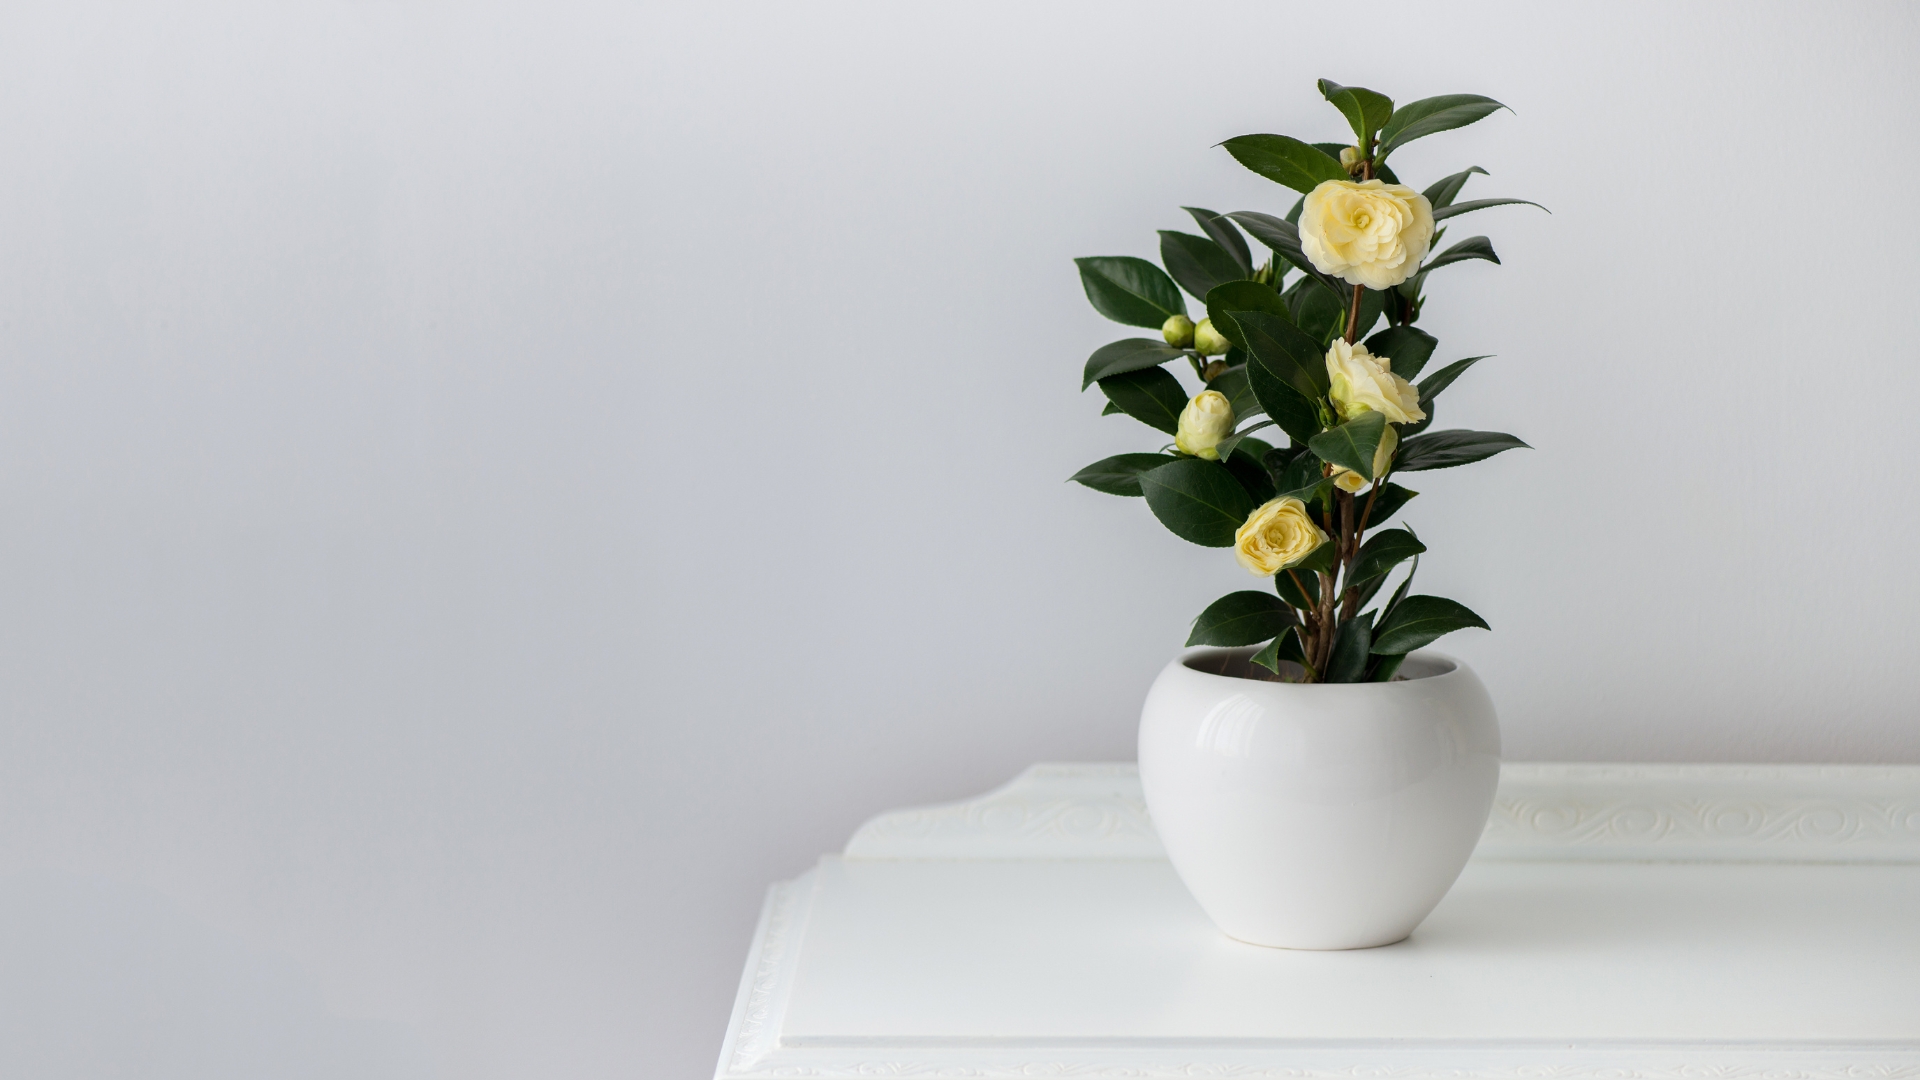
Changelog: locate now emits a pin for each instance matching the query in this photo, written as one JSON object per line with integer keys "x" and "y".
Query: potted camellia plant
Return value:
{"x": 1319, "y": 779}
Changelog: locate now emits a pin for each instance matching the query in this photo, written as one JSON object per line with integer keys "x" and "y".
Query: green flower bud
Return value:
{"x": 1206, "y": 420}
{"x": 1207, "y": 341}
{"x": 1178, "y": 330}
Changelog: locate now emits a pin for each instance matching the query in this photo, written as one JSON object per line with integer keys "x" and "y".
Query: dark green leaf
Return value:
{"x": 1302, "y": 590}
{"x": 1285, "y": 160}
{"x": 1223, "y": 233}
{"x": 1353, "y": 443}
{"x": 1364, "y": 109}
{"x": 1321, "y": 558}
{"x": 1446, "y": 449}
{"x": 1150, "y": 396}
{"x": 1129, "y": 290}
{"x": 1387, "y": 503}
{"x": 1348, "y": 662}
{"x": 1431, "y": 386}
{"x": 1284, "y": 238}
{"x": 1399, "y": 594}
{"x": 1473, "y": 247}
{"x": 1120, "y": 474}
{"x": 1197, "y": 263}
{"x": 1279, "y": 346}
{"x": 1442, "y": 213}
{"x": 1418, "y": 119}
{"x": 1443, "y": 192}
{"x": 1386, "y": 667}
{"x": 1382, "y": 552}
{"x": 1233, "y": 383}
{"x": 1285, "y": 648}
{"x": 1199, "y": 501}
{"x": 1232, "y": 442}
{"x": 1133, "y": 354}
{"x": 1234, "y": 296}
{"x": 1279, "y": 400}
{"x": 1241, "y": 618}
{"x": 1363, "y": 592}
{"x": 1247, "y": 469}
{"x": 1409, "y": 347}
{"x": 1417, "y": 620}
{"x": 1110, "y": 409}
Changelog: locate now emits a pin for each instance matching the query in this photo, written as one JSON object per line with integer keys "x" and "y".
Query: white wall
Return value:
{"x": 487, "y": 488}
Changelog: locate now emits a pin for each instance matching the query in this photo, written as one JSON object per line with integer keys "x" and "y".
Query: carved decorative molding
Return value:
{"x": 1827, "y": 813}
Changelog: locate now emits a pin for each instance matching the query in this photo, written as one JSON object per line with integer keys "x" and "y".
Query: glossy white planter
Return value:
{"x": 1318, "y": 816}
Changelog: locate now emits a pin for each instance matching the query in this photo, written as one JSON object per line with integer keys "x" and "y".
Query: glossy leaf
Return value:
{"x": 1243, "y": 461}
{"x": 1233, "y": 383}
{"x": 1473, "y": 247}
{"x": 1110, "y": 409}
{"x": 1320, "y": 558}
{"x": 1302, "y": 477}
{"x": 1302, "y": 590}
{"x": 1364, "y": 109}
{"x": 1151, "y": 396}
{"x": 1418, "y": 620}
{"x": 1225, "y": 299}
{"x": 1387, "y": 503}
{"x": 1129, "y": 290}
{"x": 1444, "y": 191}
{"x": 1348, "y": 661}
{"x": 1386, "y": 667}
{"x": 1282, "y": 403}
{"x": 1409, "y": 347}
{"x": 1431, "y": 386}
{"x": 1280, "y": 347}
{"x": 1283, "y": 237}
{"x": 1197, "y": 263}
{"x": 1221, "y": 229}
{"x": 1285, "y": 648}
{"x": 1446, "y": 449}
{"x": 1442, "y": 213}
{"x": 1382, "y": 552}
{"x": 1418, "y": 119}
{"x": 1198, "y": 501}
{"x": 1231, "y": 443}
{"x": 1352, "y": 444}
{"x": 1120, "y": 474}
{"x": 1285, "y": 160}
{"x": 1132, "y": 354}
{"x": 1241, "y": 618}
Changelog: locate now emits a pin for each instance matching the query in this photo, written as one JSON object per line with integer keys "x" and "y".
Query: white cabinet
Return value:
{"x": 1708, "y": 922}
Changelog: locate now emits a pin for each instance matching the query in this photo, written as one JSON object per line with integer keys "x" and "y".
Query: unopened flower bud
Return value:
{"x": 1178, "y": 330}
{"x": 1207, "y": 341}
{"x": 1206, "y": 420}
{"x": 1213, "y": 370}
{"x": 1351, "y": 159}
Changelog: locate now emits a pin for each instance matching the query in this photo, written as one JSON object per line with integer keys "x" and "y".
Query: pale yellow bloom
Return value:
{"x": 1277, "y": 535}
{"x": 1178, "y": 330}
{"x": 1347, "y": 480}
{"x": 1363, "y": 382}
{"x": 1368, "y": 232}
{"x": 1209, "y": 342}
{"x": 1206, "y": 420}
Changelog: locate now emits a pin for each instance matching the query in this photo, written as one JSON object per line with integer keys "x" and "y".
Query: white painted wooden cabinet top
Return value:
{"x": 1701, "y": 921}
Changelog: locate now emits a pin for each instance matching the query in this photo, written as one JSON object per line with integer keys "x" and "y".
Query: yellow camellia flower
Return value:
{"x": 1347, "y": 480}
{"x": 1209, "y": 342}
{"x": 1206, "y": 420}
{"x": 1362, "y": 382}
{"x": 1277, "y": 535}
{"x": 1368, "y": 232}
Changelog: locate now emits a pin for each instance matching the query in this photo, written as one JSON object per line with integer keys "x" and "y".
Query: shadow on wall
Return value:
{"x": 101, "y": 978}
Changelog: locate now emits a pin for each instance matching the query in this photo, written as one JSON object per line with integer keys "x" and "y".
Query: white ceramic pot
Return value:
{"x": 1318, "y": 816}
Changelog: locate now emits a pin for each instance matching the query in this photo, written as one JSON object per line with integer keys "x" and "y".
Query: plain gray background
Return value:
{"x": 489, "y": 487}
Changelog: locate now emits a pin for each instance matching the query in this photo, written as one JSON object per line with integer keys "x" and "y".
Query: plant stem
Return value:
{"x": 1353, "y": 314}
